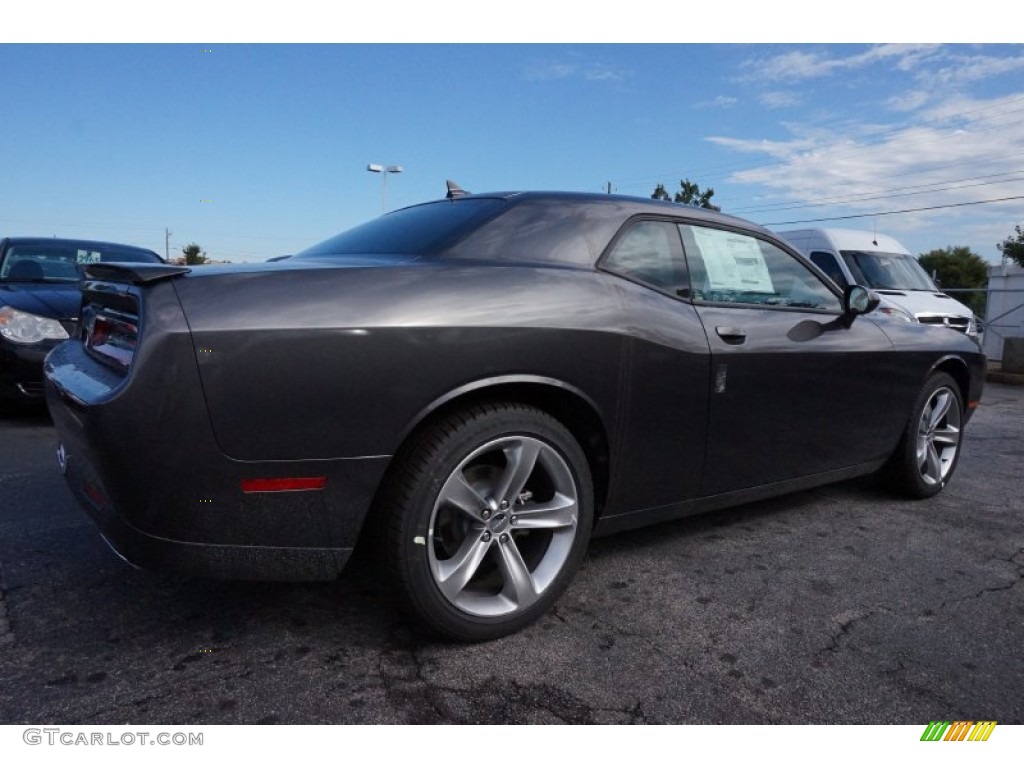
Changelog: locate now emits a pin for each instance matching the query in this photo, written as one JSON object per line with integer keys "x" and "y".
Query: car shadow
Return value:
{"x": 747, "y": 515}
{"x": 361, "y": 607}
{"x": 24, "y": 414}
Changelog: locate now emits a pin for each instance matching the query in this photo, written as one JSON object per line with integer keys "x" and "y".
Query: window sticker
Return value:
{"x": 87, "y": 257}
{"x": 733, "y": 262}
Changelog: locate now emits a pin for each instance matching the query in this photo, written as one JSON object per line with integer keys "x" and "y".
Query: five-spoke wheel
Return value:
{"x": 938, "y": 436}
{"x": 503, "y": 526}
{"x": 489, "y": 519}
{"x": 927, "y": 454}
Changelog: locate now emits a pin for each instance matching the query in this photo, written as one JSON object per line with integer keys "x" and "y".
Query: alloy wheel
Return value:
{"x": 938, "y": 436}
{"x": 503, "y": 526}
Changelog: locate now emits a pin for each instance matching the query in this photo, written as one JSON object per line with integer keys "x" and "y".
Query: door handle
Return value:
{"x": 731, "y": 335}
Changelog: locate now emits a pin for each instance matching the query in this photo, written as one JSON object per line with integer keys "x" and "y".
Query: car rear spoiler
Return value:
{"x": 132, "y": 272}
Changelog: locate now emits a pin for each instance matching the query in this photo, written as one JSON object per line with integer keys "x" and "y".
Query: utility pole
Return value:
{"x": 167, "y": 244}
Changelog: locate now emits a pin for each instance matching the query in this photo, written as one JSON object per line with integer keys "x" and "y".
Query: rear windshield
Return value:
{"x": 59, "y": 262}
{"x": 420, "y": 230}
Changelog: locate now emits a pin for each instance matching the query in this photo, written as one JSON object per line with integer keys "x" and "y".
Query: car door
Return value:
{"x": 665, "y": 384}
{"x": 796, "y": 388}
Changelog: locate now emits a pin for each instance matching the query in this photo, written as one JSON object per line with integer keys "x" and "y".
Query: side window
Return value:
{"x": 650, "y": 251}
{"x": 827, "y": 263}
{"x": 734, "y": 268}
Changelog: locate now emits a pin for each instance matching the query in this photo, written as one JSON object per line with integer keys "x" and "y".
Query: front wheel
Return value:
{"x": 490, "y": 515}
{"x": 929, "y": 449}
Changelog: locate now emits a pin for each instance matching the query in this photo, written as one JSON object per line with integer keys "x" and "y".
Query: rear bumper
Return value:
{"x": 141, "y": 459}
{"x": 218, "y": 561}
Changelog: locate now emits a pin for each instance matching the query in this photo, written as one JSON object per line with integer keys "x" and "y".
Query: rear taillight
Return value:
{"x": 112, "y": 338}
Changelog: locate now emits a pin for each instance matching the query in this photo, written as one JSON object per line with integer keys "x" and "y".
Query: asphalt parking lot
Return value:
{"x": 839, "y": 605}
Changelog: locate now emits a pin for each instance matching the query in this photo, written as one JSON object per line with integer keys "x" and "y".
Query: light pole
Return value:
{"x": 384, "y": 170}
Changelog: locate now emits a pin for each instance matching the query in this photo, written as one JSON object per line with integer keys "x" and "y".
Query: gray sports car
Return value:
{"x": 480, "y": 384}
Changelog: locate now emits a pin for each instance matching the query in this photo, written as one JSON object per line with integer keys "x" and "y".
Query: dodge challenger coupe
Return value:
{"x": 479, "y": 384}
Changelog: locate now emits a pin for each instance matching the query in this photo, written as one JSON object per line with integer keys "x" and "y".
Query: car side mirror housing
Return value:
{"x": 858, "y": 300}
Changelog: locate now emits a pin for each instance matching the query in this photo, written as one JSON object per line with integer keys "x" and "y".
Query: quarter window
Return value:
{"x": 734, "y": 268}
{"x": 651, "y": 252}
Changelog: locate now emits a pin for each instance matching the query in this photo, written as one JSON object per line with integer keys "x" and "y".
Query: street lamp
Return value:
{"x": 384, "y": 170}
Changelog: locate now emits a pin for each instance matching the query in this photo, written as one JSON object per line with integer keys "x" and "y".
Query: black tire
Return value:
{"x": 929, "y": 449}
{"x": 502, "y": 489}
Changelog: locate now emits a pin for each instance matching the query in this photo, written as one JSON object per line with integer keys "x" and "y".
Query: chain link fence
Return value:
{"x": 1001, "y": 305}
{"x": 1004, "y": 309}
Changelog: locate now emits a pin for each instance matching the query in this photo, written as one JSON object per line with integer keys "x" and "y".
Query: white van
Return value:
{"x": 850, "y": 256}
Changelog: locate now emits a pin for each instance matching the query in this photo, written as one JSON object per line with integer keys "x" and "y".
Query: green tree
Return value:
{"x": 660, "y": 193}
{"x": 689, "y": 193}
{"x": 194, "y": 254}
{"x": 959, "y": 267}
{"x": 1013, "y": 247}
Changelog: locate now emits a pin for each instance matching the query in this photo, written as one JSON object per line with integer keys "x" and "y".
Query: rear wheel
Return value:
{"x": 929, "y": 449}
{"x": 490, "y": 514}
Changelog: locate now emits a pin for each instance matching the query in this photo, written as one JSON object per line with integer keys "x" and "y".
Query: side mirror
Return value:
{"x": 858, "y": 300}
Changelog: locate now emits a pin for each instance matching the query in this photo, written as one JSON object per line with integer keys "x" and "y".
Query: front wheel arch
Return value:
{"x": 957, "y": 369}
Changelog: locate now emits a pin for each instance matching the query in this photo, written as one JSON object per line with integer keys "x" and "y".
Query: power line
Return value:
{"x": 920, "y": 189}
{"x": 892, "y": 213}
{"x": 39, "y": 223}
{"x": 866, "y": 149}
{"x": 975, "y": 162}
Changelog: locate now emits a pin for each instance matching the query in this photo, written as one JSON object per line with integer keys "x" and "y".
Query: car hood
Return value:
{"x": 924, "y": 303}
{"x": 61, "y": 302}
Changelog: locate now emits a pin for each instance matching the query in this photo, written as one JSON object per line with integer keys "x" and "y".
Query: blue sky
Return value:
{"x": 259, "y": 150}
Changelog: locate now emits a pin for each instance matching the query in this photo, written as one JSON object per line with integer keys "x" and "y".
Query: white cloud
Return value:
{"x": 779, "y": 99}
{"x": 963, "y": 70}
{"x": 597, "y": 71}
{"x": 798, "y": 65}
{"x": 908, "y": 102}
{"x": 575, "y": 67}
{"x": 956, "y": 152}
{"x": 792, "y": 65}
{"x": 549, "y": 71}
{"x": 720, "y": 102}
{"x": 950, "y": 146}
{"x": 906, "y": 57}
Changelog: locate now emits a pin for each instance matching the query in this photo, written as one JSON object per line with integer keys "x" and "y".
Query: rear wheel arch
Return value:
{"x": 566, "y": 404}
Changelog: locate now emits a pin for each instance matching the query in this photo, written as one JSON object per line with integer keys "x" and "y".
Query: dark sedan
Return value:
{"x": 39, "y": 302}
{"x": 477, "y": 385}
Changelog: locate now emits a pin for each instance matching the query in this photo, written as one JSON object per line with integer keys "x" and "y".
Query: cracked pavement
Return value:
{"x": 839, "y": 605}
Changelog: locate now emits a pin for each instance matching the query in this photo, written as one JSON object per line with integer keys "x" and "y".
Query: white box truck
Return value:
{"x": 851, "y": 256}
